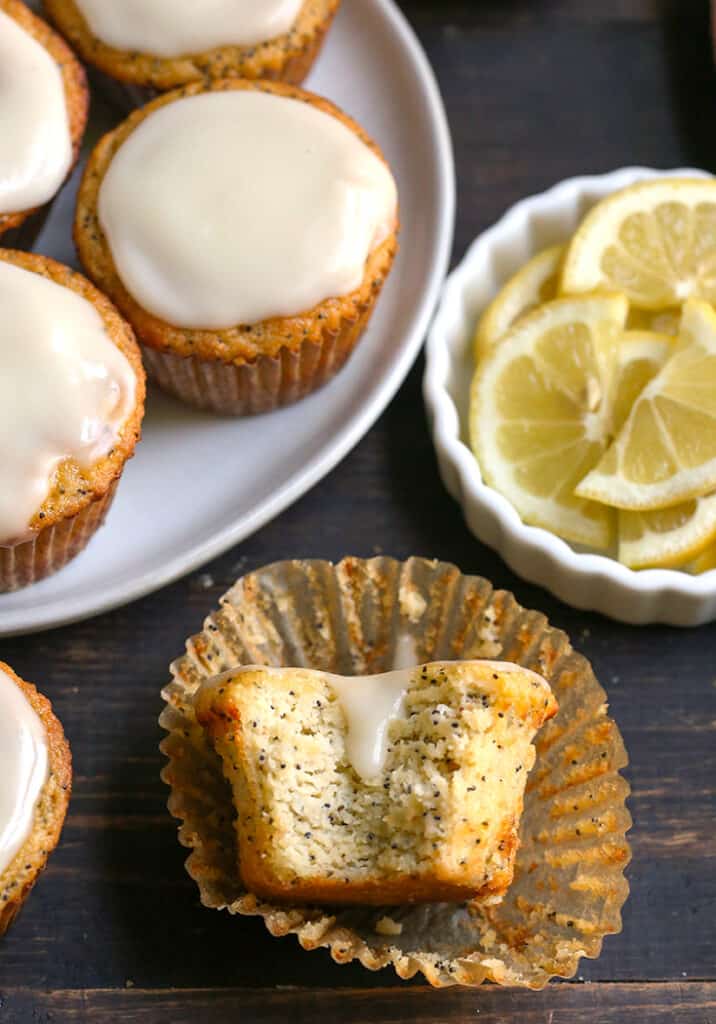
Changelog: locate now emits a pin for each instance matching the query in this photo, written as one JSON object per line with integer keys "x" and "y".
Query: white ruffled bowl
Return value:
{"x": 588, "y": 581}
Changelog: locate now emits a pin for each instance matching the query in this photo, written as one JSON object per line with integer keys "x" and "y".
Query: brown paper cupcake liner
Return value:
{"x": 260, "y": 386}
{"x": 569, "y": 883}
{"x": 52, "y": 547}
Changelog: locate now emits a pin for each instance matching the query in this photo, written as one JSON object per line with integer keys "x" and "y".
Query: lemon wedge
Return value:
{"x": 536, "y": 282}
{"x": 640, "y": 356}
{"x": 654, "y": 241}
{"x": 666, "y": 451}
{"x": 668, "y": 537}
{"x": 540, "y": 412}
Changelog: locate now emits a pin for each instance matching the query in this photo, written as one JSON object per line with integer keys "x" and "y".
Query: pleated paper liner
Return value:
{"x": 263, "y": 385}
{"x": 53, "y": 546}
{"x": 357, "y": 617}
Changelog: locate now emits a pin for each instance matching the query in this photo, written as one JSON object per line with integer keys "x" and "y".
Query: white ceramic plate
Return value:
{"x": 199, "y": 484}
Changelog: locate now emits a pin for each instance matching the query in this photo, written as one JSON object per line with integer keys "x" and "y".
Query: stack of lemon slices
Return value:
{"x": 593, "y": 406}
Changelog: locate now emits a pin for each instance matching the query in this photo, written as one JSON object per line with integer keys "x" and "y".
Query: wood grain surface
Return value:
{"x": 536, "y": 90}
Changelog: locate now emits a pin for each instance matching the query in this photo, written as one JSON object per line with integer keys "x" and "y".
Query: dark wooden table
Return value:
{"x": 536, "y": 90}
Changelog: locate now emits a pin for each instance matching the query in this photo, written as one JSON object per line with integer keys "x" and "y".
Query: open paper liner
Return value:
{"x": 53, "y": 546}
{"x": 267, "y": 383}
{"x": 569, "y": 883}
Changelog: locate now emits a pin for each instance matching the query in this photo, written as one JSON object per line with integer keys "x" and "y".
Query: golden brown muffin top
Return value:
{"x": 242, "y": 343}
{"x": 265, "y": 60}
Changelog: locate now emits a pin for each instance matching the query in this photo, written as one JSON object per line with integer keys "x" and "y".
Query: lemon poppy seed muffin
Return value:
{"x": 43, "y": 110}
{"x": 247, "y": 770}
{"x": 257, "y": 294}
{"x": 71, "y": 405}
{"x": 37, "y": 779}
{"x": 403, "y": 787}
{"x": 144, "y": 47}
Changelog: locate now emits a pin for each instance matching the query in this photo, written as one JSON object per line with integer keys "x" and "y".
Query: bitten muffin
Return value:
{"x": 71, "y": 407}
{"x": 54, "y": 89}
{"x": 368, "y": 616}
{"x": 259, "y": 292}
{"x": 399, "y": 788}
{"x": 37, "y": 780}
{"x": 152, "y": 46}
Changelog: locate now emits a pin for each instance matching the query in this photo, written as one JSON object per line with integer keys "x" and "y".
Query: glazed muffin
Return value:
{"x": 250, "y": 770}
{"x": 151, "y": 46}
{"x": 43, "y": 109}
{"x": 37, "y": 779}
{"x": 403, "y": 787}
{"x": 257, "y": 294}
{"x": 71, "y": 406}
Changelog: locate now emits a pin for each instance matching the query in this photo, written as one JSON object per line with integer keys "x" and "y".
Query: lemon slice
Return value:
{"x": 640, "y": 356}
{"x": 668, "y": 537}
{"x": 533, "y": 284}
{"x": 540, "y": 412}
{"x": 665, "y": 321}
{"x": 705, "y": 562}
{"x": 654, "y": 241}
{"x": 666, "y": 450}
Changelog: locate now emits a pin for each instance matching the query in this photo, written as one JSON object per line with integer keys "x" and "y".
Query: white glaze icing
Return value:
{"x": 35, "y": 141}
{"x": 229, "y": 208}
{"x": 23, "y": 764}
{"x": 405, "y": 652}
{"x": 175, "y": 28}
{"x": 65, "y": 390}
{"x": 370, "y": 704}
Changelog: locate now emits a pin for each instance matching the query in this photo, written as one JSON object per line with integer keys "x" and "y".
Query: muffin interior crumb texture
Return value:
{"x": 439, "y": 822}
